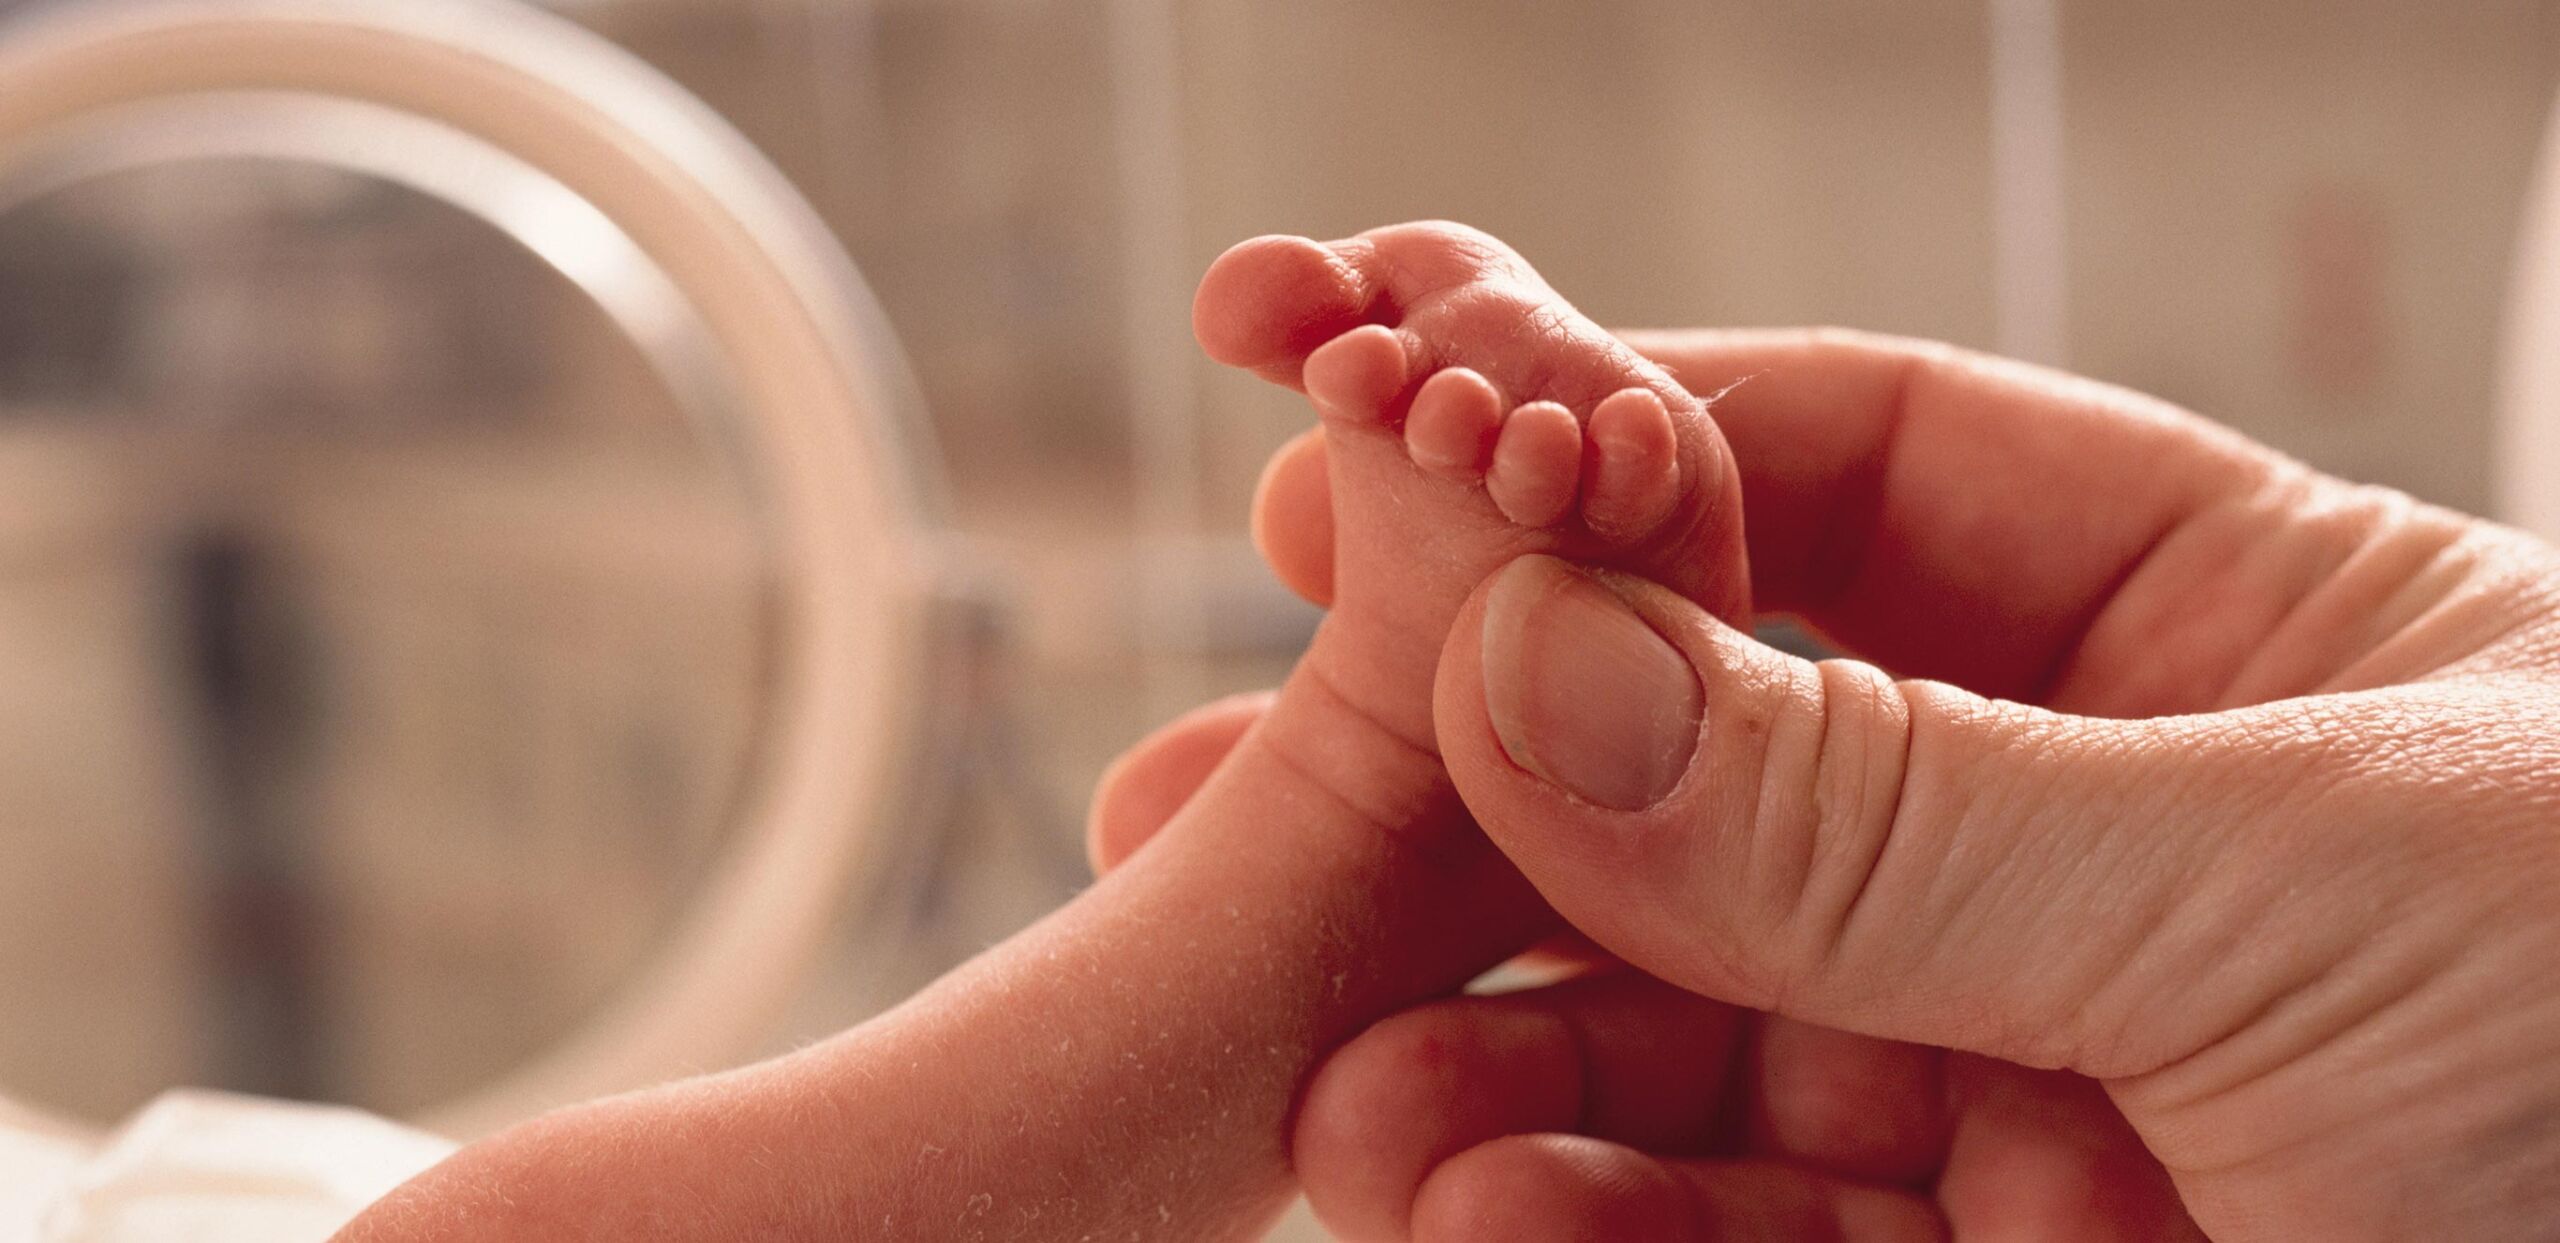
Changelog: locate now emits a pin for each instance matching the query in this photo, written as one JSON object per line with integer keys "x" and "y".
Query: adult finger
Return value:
{"x": 2039, "y": 1154}
{"x": 1617, "y": 1055}
{"x": 1571, "y": 1187}
{"x": 1896, "y": 858}
{"x": 1850, "y": 1104}
{"x": 1973, "y": 519}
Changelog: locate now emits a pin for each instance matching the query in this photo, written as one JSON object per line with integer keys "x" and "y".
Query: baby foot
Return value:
{"x": 1471, "y": 415}
{"x": 1130, "y": 1066}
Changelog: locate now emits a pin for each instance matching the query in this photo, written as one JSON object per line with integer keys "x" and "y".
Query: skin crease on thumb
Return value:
{"x": 1604, "y": 867}
{"x": 1799, "y": 806}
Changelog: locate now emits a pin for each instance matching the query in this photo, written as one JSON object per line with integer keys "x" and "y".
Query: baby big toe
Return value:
{"x": 1267, "y": 302}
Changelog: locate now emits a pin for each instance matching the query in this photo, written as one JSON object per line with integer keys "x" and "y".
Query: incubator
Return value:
{"x": 387, "y": 582}
{"x": 500, "y": 466}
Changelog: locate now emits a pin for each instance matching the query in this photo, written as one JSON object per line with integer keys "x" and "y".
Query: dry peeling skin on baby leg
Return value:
{"x": 1128, "y": 1067}
{"x": 1325, "y": 875}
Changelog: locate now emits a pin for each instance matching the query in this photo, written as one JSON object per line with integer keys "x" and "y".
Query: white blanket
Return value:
{"x": 205, "y": 1167}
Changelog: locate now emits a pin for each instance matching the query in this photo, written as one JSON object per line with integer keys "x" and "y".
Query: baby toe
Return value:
{"x": 1632, "y": 479}
{"x": 1356, "y": 376}
{"x": 1537, "y": 463}
{"x": 1455, "y": 420}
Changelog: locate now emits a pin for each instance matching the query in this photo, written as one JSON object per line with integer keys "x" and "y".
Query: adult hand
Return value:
{"x": 2245, "y": 924}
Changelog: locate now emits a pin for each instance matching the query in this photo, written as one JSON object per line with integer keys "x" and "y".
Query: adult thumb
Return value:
{"x": 1902, "y": 859}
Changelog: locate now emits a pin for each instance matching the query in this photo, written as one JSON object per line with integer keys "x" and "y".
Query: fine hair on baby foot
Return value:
{"x": 1471, "y": 415}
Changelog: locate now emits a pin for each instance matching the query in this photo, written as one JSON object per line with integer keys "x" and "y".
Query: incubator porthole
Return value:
{"x": 464, "y": 477}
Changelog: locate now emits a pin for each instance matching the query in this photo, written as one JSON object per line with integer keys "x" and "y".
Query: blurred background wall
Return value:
{"x": 2292, "y": 216}
{"x": 2295, "y": 217}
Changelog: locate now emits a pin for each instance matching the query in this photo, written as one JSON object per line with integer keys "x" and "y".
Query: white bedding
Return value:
{"x": 204, "y": 1167}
